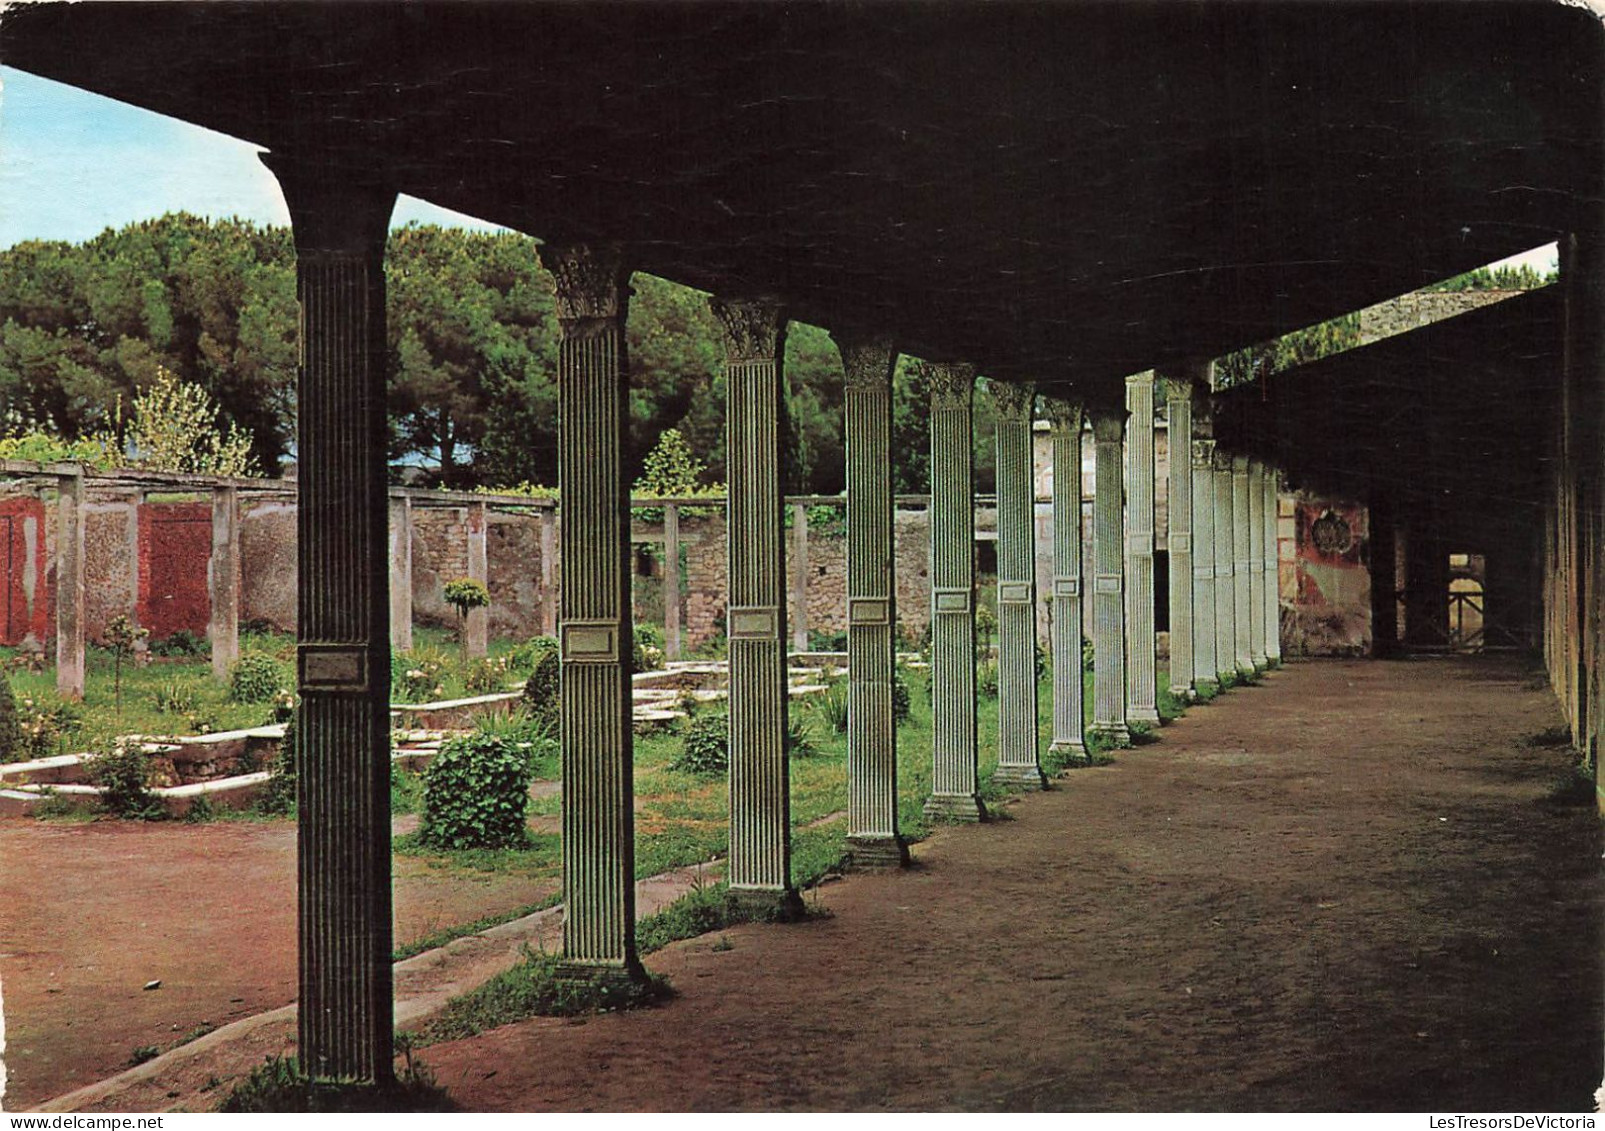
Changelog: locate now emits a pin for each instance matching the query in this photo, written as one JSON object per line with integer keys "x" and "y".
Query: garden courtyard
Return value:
{"x": 1354, "y": 886}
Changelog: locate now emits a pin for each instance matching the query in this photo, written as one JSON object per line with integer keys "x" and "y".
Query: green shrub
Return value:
{"x": 124, "y": 776}
{"x": 46, "y": 725}
{"x": 646, "y": 648}
{"x": 1086, "y": 654}
{"x": 799, "y": 743}
{"x": 465, "y": 593}
{"x": 542, "y": 688}
{"x": 256, "y": 678}
{"x": 175, "y": 698}
{"x": 832, "y": 707}
{"x": 418, "y": 676}
{"x": 476, "y": 794}
{"x": 182, "y": 643}
{"x": 707, "y": 745}
{"x": 986, "y": 679}
{"x": 902, "y": 701}
{"x": 485, "y": 675}
{"x": 279, "y": 1085}
{"x": 523, "y": 657}
{"x": 278, "y": 796}
{"x": 12, "y": 746}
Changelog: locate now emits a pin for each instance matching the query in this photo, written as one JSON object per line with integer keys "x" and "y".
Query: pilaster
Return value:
{"x": 1018, "y": 764}
{"x": 1179, "y": 535}
{"x": 671, "y": 581}
{"x": 1141, "y": 653}
{"x": 760, "y": 793}
{"x": 872, "y": 835}
{"x": 1064, "y": 424}
{"x": 343, "y": 623}
{"x": 223, "y": 580}
{"x": 954, "y": 789}
{"x": 1108, "y": 583}
{"x": 595, "y": 631}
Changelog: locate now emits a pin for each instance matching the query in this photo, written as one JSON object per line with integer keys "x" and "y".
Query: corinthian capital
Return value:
{"x": 1013, "y": 401}
{"x": 867, "y": 360}
{"x": 754, "y": 328}
{"x": 952, "y": 384}
{"x": 592, "y": 281}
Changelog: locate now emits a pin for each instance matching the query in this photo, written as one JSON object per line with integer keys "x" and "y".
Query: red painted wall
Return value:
{"x": 17, "y": 616}
{"x": 175, "y": 544}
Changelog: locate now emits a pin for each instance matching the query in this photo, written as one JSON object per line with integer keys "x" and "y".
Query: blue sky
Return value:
{"x": 73, "y": 163}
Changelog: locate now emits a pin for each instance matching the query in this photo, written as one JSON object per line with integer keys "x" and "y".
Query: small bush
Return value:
{"x": 1086, "y": 654}
{"x": 175, "y": 698}
{"x": 476, "y": 794}
{"x": 902, "y": 701}
{"x": 418, "y": 676}
{"x": 124, "y": 776}
{"x": 279, "y": 1085}
{"x": 707, "y": 746}
{"x": 986, "y": 679}
{"x": 646, "y": 649}
{"x": 799, "y": 744}
{"x": 256, "y": 678}
{"x": 542, "y": 688}
{"x": 278, "y": 796}
{"x": 45, "y": 725}
{"x": 12, "y": 746}
{"x": 523, "y": 657}
{"x": 832, "y": 707}
{"x": 485, "y": 675}
{"x": 182, "y": 643}
{"x": 464, "y": 593}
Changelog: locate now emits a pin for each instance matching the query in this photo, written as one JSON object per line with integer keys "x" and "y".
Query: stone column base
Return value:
{"x": 1115, "y": 735}
{"x": 955, "y": 808}
{"x": 1142, "y": 714}
{"x": 768, "y": 905}
{"x": 622, "y": 975}
{"x": 1260, "y": 663}
{"x": 1074, "y": 751}
{"x": 1020, "y": 777}
{"x": 875, "y": 853}
{"x": 1247, "y": 674}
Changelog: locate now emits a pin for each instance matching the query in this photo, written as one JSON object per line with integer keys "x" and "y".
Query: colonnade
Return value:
{"x": 345, "y": 634}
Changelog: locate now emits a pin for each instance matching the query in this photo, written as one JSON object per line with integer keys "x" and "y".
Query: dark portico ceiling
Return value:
{"x": 1065, "y": 191}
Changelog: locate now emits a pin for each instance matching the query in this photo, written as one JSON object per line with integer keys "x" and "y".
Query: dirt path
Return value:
{"x": 89, "y": 913}
{"x": 1342, "y": 890}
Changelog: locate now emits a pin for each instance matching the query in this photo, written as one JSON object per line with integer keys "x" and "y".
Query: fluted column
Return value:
{"x": 872, "y": 835}
{"x": 1225, "y": 575}
{"x": 594, "y": 630}
{"x": 1273, "y": 571}
{"x": 1179, "y": 534}
{"x": 1206, "y": 672}
{"x": 1108, "y": 581}
{"x": 401, "y": 573}
{"x": 759, "y": 871}
{"x": 343, "y": 624}
{"x": 1141, "y": 679}
{"x": 70, "y": 665}
{"x": 954, "y": 795}
{"x": 1068, "y": 712}
{"x": 223, "y": 580}
{"x": 1242, "y": 560}
{"x": 1256, "y": 563}
{"x": 1018, "y": 764}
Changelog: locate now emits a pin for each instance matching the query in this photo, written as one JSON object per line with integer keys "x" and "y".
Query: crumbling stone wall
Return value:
{"x": 267, "y": 563}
